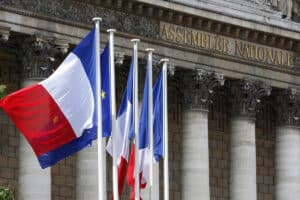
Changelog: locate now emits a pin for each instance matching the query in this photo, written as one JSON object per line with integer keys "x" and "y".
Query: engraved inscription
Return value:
{"x": 226, "y": 45}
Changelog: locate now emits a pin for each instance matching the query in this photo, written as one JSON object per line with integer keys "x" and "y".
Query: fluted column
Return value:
{"x": 38, "y": 58}
{"x": 287, "y": 146}
{"x": 198, "y": 89}
{"x": 244, "y": 97}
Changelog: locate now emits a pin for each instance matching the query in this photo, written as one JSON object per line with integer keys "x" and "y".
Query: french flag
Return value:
{"x": 144, "y": 152}
{"x": 143, "y": 145}
{"x": 58, "y": 115}
{"x": 124, "y": 129}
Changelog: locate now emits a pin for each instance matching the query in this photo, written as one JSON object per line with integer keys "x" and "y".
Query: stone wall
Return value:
{"x": 9, "y": 153}
{"x": 63, "y": 178}
{"x": 9, "y": 136}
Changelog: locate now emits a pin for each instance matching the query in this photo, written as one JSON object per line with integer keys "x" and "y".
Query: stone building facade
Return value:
{"x": 234, "y": 129}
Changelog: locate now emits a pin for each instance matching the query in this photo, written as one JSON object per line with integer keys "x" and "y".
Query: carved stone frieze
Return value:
{"x": 81, "y": 12}
{"x": 287, "y": 106}
{"x": 198, "y": 87}
{"x": 245, "y": 95}
{"x": 40, "y": 56}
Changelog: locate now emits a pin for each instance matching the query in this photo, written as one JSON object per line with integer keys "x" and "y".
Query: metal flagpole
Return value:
{"x": 150, "y": 120}
{"x": 136, "y": 120}
{"x": 165, "y": 128}
{"x": 113, "y": 111}
{"x": 101, "y": 150}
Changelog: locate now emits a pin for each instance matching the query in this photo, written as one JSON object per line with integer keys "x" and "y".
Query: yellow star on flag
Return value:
{"x": 55, "y": 120}
{"x": 102, "y": 94}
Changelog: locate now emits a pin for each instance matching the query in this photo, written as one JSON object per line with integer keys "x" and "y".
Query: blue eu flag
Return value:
{"x": 105, "y": 92}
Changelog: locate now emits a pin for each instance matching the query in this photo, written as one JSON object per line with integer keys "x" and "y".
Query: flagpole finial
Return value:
{"x": 135, "y": 40}
{"x": 164, "y": 60}
{"x": 111, "y": 30}
{"x": 150, "y": 49}
{"x": 97, "y": 19}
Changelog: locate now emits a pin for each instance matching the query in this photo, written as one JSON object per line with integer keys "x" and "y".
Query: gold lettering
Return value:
{"x": 269, "y": 55}
{"x": 290, "y": 59}
{"x": 195, "y": 39}
{"x": 278, "y": 57}
{"x": 261, "y": 55}
{"x": 248, "y": 50}
{"x": 179, "y": 35}
{"x": 164, "y": 32}
{"x": 218, "y": 45}
{"x": 172, "y": 33}
{"x": 186, "y": 36}
{"x": 206, "y": 41}
{"x": 225, "y": 45}
{"x": 254, "y": 53}
{"x": 239, "y": 48}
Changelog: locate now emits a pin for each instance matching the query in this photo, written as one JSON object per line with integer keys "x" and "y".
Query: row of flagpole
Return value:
{"x": 101, "y": 141}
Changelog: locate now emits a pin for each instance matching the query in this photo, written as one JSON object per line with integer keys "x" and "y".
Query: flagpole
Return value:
{"x": 136, "y": 119}
{"x": 113, "y": 112}
{"x": 165, "y": 128}
{"x": 101, "y": 153}
{"x": 150, "y": 120}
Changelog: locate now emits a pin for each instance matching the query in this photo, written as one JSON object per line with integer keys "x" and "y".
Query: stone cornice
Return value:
{"x": 141, "y": 17}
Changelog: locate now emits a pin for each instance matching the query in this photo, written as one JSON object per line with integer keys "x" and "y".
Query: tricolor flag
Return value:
{"x": 144, "y": 134}
{"x": 58, "y": 115}
{"x": 143, "y": 145}
{"x": 124, "y": 127}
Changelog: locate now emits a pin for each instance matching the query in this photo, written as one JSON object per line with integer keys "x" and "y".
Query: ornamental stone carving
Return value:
{"x": 198, "y": 87}
{"x": 4, "y": 33}
{"x": 245, "y": 95}
{"x": 287, "y": 106}
{"x": 290, "y": 9}
{"x": 40, "y": 56}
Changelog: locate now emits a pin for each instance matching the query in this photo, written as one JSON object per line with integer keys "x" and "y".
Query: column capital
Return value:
{"x": 40, "y": 55}
{"x": 287, "y": 104}
{"x": 245, "y": 95}
{"x": 198, "y": 88}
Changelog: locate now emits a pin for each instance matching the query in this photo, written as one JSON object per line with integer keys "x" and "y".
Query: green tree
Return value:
{"x": 2, "y": 91}
{"x": 6, "y": 194}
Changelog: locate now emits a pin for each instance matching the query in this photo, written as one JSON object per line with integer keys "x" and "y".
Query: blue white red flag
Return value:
{"x": 124, "y": 127}
{"x": 58, "y": 115}
{"x": 144, "y": 151}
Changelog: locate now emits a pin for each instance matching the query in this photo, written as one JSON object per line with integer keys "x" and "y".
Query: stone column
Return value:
{"x": 199, "y": 87}
{"x": 37, "y": 57}
{"x": 287, "y": 146}
{"x": 244, "y": 97}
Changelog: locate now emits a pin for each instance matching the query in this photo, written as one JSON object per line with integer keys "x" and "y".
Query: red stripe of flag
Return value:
{"x": 39, "y": 118}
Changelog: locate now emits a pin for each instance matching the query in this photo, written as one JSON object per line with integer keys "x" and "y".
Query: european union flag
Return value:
{"x": 158, "y": 117}
{"x": 105, "y": 92}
